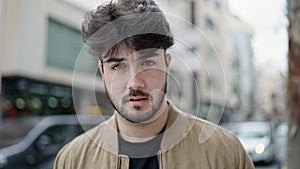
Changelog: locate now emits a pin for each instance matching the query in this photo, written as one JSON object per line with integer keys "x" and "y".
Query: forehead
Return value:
{"x": 125, "y": 53}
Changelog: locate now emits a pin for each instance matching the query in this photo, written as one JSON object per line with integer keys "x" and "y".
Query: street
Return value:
{"x": 272, "y": 166}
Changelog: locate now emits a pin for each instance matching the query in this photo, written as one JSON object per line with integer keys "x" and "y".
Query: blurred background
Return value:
{"x": 241, "y": 70}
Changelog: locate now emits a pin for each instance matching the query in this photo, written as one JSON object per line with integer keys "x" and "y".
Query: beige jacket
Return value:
{"x": 188, "y": 142}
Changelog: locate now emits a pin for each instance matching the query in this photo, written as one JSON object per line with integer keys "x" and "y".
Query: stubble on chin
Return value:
{"x": 136, "y": 115}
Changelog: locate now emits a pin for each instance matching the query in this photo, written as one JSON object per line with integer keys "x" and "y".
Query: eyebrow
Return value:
{"x": 141, "y": 56}
{"x": 114, "y": 60}
{"x": 147, "y": 55}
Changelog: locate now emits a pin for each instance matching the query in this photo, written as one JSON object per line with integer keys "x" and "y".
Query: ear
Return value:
{"x": 100, "y": 65}
{"x": 168, "y": 60}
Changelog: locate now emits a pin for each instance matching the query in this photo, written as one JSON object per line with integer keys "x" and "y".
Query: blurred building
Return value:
{"x": 243, "y": 76}
{"x": 215, "y": 20}
{"x": 270, "y": 94}
{"x": 203, "y": 45}
{"x": 40, "y": 42}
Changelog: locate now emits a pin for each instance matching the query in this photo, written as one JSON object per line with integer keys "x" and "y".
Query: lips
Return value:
{"x": 136, "y": 98}
{"x": 137, "y": 101}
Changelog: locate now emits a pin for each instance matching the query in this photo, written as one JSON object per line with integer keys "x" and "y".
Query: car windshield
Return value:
{"x": 251, "y": 134}
{"x": 13, "y": 131}
{"x": 251, "y": 129}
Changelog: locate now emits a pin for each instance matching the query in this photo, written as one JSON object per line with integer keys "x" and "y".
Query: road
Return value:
{"x": 272, "y": 166}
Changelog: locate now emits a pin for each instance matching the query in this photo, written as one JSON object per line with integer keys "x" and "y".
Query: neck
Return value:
{"x": 139, "y": 132}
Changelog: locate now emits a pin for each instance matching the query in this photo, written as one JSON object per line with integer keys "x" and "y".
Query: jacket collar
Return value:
{"x": 106, "y": 134}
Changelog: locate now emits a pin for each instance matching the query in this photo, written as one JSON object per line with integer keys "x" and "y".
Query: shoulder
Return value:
{"x": 208, "y": 133}
{"x": 67, "y": 155}
{"x": 82, "y": 147}
{"x": 213, "y": 144}
{"x": 199, "y": 129}
{"x": 78, "y": 144}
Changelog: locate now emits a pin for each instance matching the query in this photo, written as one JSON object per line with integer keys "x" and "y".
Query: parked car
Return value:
{"x": 44, "y": 140}
{"x": 281, "y": 140}
{"x": 257, "y": 139}
{"x": 13, "y": 131}
{"x": 47, "y": 164}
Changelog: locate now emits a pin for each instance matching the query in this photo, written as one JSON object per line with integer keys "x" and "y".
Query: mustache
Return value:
{"x": 135, "y": 93}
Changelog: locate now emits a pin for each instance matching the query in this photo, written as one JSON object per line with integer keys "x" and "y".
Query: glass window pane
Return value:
{"x": 64, "y": 46}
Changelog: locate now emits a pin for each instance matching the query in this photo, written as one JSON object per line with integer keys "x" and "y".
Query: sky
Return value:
{"x": 269, "y": 22}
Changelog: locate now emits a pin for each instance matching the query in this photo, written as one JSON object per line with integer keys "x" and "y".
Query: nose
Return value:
{"x": 136, "y": 82}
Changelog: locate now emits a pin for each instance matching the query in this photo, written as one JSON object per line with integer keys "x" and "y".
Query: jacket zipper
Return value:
{"x": 159, "y": 160}
{"x": 119, "y": 163}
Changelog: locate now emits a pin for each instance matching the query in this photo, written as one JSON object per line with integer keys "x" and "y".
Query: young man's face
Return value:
{"x": 136, "y": 82}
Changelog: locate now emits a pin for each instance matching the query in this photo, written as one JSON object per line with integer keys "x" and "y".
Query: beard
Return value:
{"x": 137, "y": 115}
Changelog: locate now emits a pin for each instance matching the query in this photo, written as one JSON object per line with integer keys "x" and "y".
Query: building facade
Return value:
{"x": 203, "y": 45}
{"x": 43, "y": 67}
{"x": 243, "y": 77}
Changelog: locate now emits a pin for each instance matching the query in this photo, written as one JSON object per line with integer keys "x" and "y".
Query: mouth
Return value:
{"x": 137, "y": 101}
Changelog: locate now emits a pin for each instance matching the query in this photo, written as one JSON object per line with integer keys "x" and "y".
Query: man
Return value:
{"x": 131, "y": 39}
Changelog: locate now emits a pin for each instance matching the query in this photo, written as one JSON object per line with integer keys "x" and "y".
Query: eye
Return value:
{"x": 118, "y": 66}
{"x": 148, "y": 63}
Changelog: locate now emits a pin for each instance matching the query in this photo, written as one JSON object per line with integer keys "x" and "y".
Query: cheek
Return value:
{"x": 157, "y": 80}
{"x": 114, "y": 86}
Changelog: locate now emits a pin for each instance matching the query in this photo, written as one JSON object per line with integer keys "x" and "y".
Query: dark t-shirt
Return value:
{"x": 141, "y": 155}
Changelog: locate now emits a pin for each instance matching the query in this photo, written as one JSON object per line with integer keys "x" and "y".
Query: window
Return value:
{"x": 64, "y": 46}
{"x": 193, "y": 19}
{"x": 195, "y": 88}
{"x": 28, "y": 97}
{"x": 211, "y": 82}
{"x": 235, "y": 64}
{"x": 214, "y": 3}
{"x": 236, "y": 89}
{"x": 210, "y": 25}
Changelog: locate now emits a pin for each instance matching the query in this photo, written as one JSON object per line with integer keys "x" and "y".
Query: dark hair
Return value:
{"x": 136, "y": 24}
